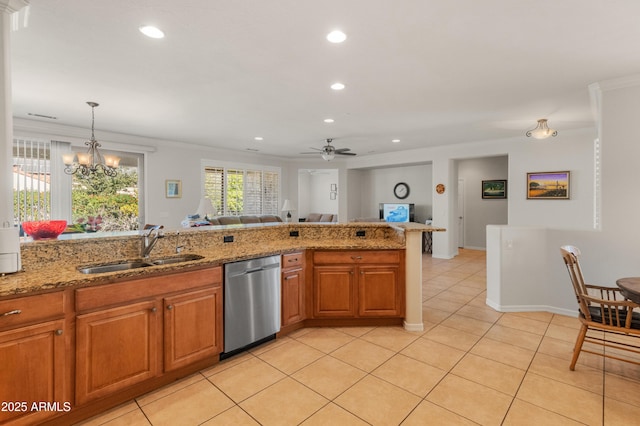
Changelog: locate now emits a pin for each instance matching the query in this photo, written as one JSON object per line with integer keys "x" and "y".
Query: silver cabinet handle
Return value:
{"x": 154, "y": 309}
{"x": 58, "y": 332}
{"x": 356, "y": 257}
{"x": 169, "y": 307}
{"x": 14, "y": 312}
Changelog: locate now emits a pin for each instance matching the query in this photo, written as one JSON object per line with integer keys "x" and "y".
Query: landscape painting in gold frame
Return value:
{"x": 548, "y": 185}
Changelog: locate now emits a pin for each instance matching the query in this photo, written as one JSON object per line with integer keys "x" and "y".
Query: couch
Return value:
{"x": 321, "y": 217}
{"x": 238, "y": 220}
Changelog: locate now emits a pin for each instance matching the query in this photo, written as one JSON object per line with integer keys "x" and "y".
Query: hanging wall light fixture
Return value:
{"x": 542, "y": 130}
{"x": 92, "y": 161}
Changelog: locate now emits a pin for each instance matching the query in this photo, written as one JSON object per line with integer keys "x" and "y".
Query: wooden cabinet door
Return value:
{"x": 192, "y": 327}
{"x": 34, "y": 369}
{"x": 116, "y": 348}
{"x": 379, "y": 291}
{"x": 292, "y": 296}
{"x": 334, "y": 292}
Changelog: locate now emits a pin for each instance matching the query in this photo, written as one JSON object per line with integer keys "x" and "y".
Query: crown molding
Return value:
{"x": 618, "y": 83}
{"x": 12, "y": 6}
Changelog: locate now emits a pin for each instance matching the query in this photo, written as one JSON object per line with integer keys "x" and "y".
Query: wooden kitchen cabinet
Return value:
{"x": 34, "y": 352}
{"x": 139, "y": 329}
{"x": 293, "y": 309}
{"x": 334, "y": 291}
{"x": 116, "y": 348}
{"x": 352, "y": 284}
{"x": 192, "y": 327}
{"x": 379, "y": 291}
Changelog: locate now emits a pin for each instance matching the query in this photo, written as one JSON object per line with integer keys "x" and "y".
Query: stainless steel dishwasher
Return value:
{"x": 251, "y": 303}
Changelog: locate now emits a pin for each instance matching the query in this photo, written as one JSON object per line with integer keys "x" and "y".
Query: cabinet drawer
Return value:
{"x": 360, "y": 256}
{"x": 30, "y": 309}
{"x": 292, "y": 259}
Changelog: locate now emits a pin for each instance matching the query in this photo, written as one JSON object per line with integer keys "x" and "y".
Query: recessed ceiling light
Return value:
{"x": 395, "y": 140}
{"x": 336, "y": 36}
{"x": 259, "y": 138}
{"x": 337, "y": 86}
{"x": 329, "y": 120}
{"x": 151, "y": 31}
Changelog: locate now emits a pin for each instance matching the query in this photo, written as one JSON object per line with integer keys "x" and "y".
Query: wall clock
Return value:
{"x": 401, "y": 190}
{"x": 440, "y": 188}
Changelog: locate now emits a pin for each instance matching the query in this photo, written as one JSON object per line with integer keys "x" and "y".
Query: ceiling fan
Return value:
{"x": 329, "y": 151}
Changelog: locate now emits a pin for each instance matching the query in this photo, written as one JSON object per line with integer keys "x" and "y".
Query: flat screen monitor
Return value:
{"x": 397, "y": 212}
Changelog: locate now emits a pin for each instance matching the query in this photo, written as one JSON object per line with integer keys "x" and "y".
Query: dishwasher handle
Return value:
{"x": 257, "y": 269}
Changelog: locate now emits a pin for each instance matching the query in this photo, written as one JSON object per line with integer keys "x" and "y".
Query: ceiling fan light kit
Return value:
{"x": 329, "y": 152}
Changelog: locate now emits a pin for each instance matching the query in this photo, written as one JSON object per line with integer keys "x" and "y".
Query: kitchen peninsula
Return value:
{"x": 65, "y": 315}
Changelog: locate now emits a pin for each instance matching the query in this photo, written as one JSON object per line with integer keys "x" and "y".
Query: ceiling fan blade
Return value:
{"x": 316, "y": 149}
{"x": 345, "y": 153}
{"x": 343, "y": 149}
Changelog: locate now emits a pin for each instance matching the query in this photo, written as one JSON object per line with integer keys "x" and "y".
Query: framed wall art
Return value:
{"x": 548, "y": 186}
{"x": 494, "y": 189}
{"x": 173, "y": 188}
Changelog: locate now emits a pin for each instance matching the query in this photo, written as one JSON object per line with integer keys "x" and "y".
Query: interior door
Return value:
{"x": 460, "y": 212}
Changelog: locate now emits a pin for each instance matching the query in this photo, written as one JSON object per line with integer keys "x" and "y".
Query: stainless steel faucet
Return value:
{"x": 149, "y": 240}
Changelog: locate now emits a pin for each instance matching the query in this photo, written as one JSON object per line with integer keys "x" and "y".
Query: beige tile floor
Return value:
{"x": 471, "y": 365}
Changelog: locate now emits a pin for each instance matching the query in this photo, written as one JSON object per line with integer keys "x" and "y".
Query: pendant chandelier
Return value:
{"x": 542, "y": 130}
{"x": 92, "y": 161}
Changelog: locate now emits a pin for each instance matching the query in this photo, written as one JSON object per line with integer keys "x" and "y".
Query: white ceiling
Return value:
{"x": 428, "y": 72}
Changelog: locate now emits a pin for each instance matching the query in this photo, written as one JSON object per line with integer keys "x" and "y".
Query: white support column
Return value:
{"x": 413, "y": 279}
{"x": 7, "y": 7}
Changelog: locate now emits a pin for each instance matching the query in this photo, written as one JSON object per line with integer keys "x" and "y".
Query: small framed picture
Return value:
{"x": 173, "y": 188}
{"x": 494, "y": 189}
{"x": 548, "y": 186}
{"x": 334, "y": 187}
{"x": 332, "y": 195}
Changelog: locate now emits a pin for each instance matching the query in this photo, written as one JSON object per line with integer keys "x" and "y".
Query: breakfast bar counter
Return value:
{"x": 52, "y": 264}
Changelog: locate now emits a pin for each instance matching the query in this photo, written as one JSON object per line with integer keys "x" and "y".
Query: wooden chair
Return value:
{"x": 603, "y": 309}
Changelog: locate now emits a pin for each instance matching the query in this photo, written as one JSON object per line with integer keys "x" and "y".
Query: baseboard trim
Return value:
{"x": 532, "y": 308}
{"x": 413, "y": 326}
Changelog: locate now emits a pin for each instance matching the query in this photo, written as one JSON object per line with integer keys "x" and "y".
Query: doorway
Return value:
{"x": 460, "y": 213}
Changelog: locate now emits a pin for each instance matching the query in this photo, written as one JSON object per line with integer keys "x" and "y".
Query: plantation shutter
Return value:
{"x": 214, "y": 188}
{"x": 236, "y": 191}
{"x": 271, "y": 193}
{"x": 253, "y": 192}
{"x": 31, "y": 179}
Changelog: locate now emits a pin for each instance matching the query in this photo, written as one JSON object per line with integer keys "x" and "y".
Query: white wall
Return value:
{"x": 479, "y": 212}
{"x": 377, "y": 187}
{"x": 314, "y": 191}
{"x": 163, "y": 160}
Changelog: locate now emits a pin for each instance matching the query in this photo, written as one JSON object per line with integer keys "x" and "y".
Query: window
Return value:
{"x": 31, "y": 180}
{"x": 41, "y": 189}
{"x": 248, "y": 190}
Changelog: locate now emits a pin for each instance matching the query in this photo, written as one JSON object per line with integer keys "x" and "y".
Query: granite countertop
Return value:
{"x": 53, "y": 265}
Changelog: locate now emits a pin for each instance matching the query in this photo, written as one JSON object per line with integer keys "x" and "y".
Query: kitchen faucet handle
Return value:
{"x": 178, "y": 246}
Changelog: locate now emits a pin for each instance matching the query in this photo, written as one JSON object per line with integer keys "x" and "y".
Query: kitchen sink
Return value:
{"x": 126, "y": 265}
{"x": 176, "y": 259}
{"x": 113, "y": 267}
